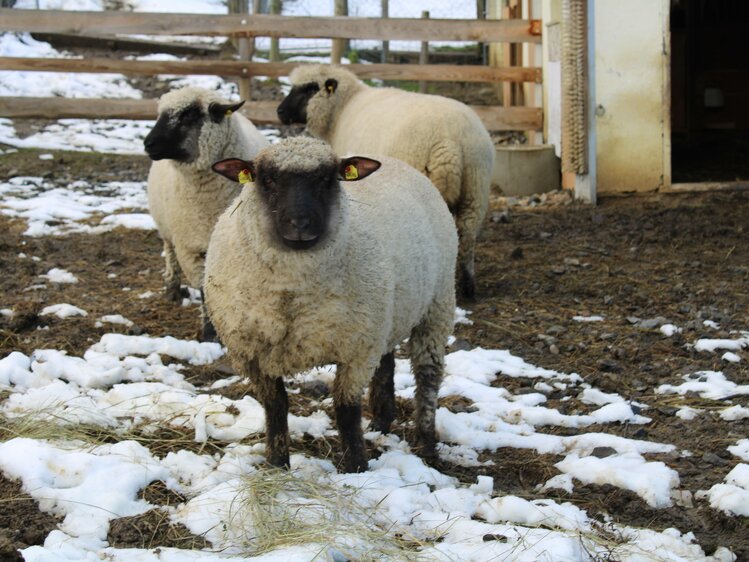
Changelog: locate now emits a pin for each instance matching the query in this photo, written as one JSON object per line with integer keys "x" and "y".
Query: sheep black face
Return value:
{"x": 301, "y": 204}
{"x": 293, "y": 108}
{"x": 176, "y": 134}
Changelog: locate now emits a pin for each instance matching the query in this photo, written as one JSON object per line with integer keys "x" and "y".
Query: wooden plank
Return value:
{"x": 142, "y": 23}
{"x": 432, "y": 72}
{"x": 495, "y": 118}
{"x": 697, "y": 187}
{"x": 127, "y": 44}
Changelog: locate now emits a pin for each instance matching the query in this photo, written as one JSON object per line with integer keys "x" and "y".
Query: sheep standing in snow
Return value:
{"x": 195, "y": 128}
{"x": 442, "y": 138}
{"x": 302, "y": 272}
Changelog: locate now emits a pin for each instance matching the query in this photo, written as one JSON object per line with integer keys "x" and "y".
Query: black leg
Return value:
{"x": 272, "y": 394}
{"x": 428, "y": 378}
{"x": 382, "y": 394}
{"x": 467, "y": 284}
{"x": 348, "y": 419}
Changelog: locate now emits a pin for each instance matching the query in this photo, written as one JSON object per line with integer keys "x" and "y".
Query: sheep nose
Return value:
{"x": 300, "y": 223}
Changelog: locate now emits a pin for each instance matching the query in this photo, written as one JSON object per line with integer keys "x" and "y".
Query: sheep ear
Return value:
{"x": 219, "y": 110}
{"x": 331, "y": 85}
{"x": 240, "y": 171}
{"x": 356, "y": 168}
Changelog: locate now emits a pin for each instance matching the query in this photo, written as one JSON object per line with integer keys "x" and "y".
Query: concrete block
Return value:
{"x": 524, "y": 170}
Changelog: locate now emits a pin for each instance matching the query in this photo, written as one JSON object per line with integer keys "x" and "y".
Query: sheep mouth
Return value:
{"x": 300, "y": 241}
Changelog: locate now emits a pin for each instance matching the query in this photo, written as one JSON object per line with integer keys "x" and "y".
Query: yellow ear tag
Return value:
{"x": 228, "y": 113}
{"x": 330, "y": 88}
{"x": 350, "y": 172}
{"x": 244, "y": 176}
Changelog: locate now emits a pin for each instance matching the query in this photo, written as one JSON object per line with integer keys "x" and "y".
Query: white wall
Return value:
{"x": 630, "y": 66}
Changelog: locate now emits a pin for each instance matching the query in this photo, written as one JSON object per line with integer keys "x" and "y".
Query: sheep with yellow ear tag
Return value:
{"x": 333, "y": 260}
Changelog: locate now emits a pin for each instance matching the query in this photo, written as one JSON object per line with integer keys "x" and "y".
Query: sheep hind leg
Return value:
{"x": 172, "y": 274}
{"x": 466, "y": 223}
{"x": 382, "y": 394}
{"x": 271, "y": 393}
{"x": 427, "y": 345}
{"x": 348, "y": 419}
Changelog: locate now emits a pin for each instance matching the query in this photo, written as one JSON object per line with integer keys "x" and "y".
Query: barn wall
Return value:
{"x": 631, "y": 95}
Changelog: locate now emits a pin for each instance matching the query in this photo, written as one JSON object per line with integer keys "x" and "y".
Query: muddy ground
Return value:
{"x": 682, "y": 257}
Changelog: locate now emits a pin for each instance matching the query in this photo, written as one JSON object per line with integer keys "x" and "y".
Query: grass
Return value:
{"x": 281, "y": 509}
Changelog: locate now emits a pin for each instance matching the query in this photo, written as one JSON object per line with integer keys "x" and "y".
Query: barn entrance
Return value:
{"x": 709, "y": 91}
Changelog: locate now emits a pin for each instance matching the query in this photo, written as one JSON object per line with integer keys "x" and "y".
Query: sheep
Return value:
{"x": 195, "y": 128}
{"x": 303, "y": 272}
{"x": 440, "y": 137}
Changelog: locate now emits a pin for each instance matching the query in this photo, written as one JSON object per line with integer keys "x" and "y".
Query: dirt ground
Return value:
{"x": 539, "y": 263}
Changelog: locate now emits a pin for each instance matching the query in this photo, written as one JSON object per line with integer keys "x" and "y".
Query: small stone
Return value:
{"x": 545, "y": 235}
{"x": 460, "y": 345}
{"x": 571, "y": 261}
{"x": 516, "y": 253}
{"x": 548, "y": 340}
{"x": 494, "y": 537}
{"x": 652, "y": 323}
{"x": 714, "y": 459}
{"x": 314, "y": 388}
{"x": 603, "y": 452}
{"x": 608, "y": 299}
{"x": 606, "y": 336}
{"x": 609, "y": 366}
{"x": 667, "y": 410}
{"x": 556, "y": 330}
{"x": 633, "y": 319}
{"x": 553, "y": 349}
{"x": 558, "y": 269}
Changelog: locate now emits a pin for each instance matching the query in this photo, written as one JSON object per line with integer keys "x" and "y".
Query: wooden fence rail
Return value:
{"x": 114, "y": 23}
{"x": 260, "y": 112}
{"x": 431, "y": 72}
{"x": 145, "y": 23}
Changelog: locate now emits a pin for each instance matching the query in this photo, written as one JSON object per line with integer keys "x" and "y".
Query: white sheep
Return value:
{"x": 195, "y": 128}
{"x": 309, "y": 267}
{"x": 441, "y": 137}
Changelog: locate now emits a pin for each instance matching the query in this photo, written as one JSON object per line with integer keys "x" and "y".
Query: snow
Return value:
{"x": 731, "y": 497}
{"x": 708, "y": 384}
{"x": 114, "y": 319}
{"x": 124, "y": 382}
{"x": 63, "y": 310}
{"x": 669, "y": 330}
{"x": 740, "y": 449}
{"x": 731, "y": 357}
{"x": 58, "y": 275}
{"x": 588, "y": 318}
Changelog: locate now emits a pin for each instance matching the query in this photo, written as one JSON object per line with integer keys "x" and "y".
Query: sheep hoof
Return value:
{"x": 467, "y": 286}
{"x": 278, "y": 459}
{"x": 355, "y": 462}
{"x": 173, "y": 293}
{"x": 425, "y": 446}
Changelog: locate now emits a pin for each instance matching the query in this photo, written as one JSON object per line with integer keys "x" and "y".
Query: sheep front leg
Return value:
{"x": 382, "y": 394}
{"x": 172, "y": 282}
{"x": 271, "y": 393}
{"x": 347, "y": 397}
{"x": 208, "y": 331}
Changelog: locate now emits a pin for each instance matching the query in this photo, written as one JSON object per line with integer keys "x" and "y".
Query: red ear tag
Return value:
{"x": 244, "y": 176}
{"x": 350, "y": 172}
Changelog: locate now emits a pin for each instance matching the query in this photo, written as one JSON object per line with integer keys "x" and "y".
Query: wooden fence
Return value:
{"x": 248, "y": 26}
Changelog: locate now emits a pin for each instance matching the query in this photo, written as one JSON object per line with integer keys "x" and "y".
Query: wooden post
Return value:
{"x": 481, "y": 15}
{"x": 244, "y": 48}
{"x": 384, "y": 13}
{"x": 275, "y": 54}
{"x": 424, "y": 56}
{"x": 340, "y": 46}
{"x": 237, "y": 7}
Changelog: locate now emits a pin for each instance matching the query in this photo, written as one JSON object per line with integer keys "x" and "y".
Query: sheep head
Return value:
{"x": 182, "y": 116}
{"x": 298, "y": 187}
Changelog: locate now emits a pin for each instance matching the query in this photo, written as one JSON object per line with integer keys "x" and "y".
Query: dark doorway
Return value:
{"x": 709, "y": 90}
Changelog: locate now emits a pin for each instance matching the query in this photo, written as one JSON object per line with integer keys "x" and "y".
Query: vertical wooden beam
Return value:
{"x": 424, "y": 56}
{"x": 385, "y": 13}
{"x": 246, "y": 48}
{"x": 275, "y": 54}
{"x": 340, "y": 46}
{"x": 530, "y": 88}
{"x": 506, "y": 60}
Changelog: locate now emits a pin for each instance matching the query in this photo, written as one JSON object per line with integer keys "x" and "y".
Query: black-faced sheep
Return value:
{"x": 309, "y": 267}
{"x": 195, "y": 128}
{"x": 442, "y": 138}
